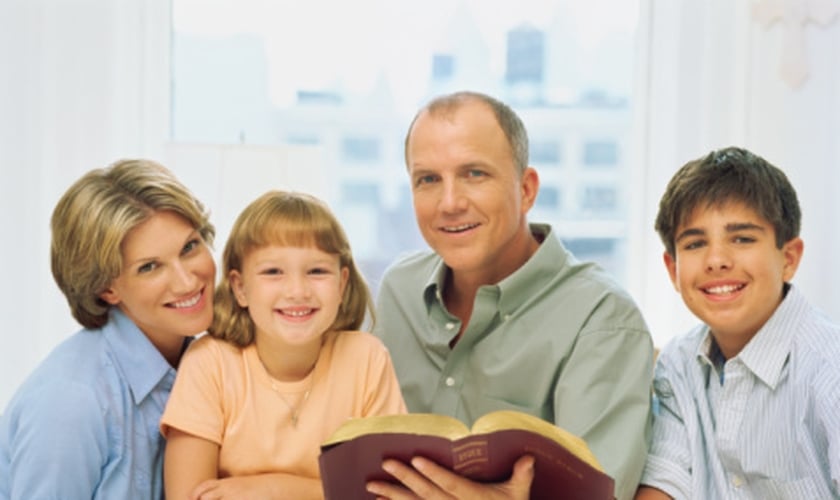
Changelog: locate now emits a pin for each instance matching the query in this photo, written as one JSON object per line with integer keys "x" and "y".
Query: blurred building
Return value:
{"x": 579, "y": 132}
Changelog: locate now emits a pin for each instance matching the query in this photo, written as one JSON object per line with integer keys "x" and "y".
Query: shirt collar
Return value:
{"x": 515, "y": 289}
{"x": 137, "y": 358}
{"x": 767, "y": 352}
{"x": 709, "y": 354}
{"x": 434, "y": 284}
{"x": 544, "y": 266}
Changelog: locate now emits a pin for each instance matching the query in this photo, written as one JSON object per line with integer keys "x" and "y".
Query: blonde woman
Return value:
{"x": 130, "y": 253}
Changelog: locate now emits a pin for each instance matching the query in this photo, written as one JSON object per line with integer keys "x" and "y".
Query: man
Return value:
{"x": 501, "y": 316}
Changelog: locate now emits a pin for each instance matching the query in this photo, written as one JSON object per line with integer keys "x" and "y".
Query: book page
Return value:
{"x": 504, "y": 419}
{"x": 412, "y": 423}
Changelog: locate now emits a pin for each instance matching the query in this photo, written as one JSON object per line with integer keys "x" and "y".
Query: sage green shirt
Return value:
{"x": 558, "y": 339}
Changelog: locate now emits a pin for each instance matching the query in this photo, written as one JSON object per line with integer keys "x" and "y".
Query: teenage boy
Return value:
{"x": 749, "y": 401}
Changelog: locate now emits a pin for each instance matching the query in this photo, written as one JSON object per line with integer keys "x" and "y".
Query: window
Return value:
{"x": 600, "y": 153}
{"x": 359, "y": 193}
{"x": 303, "y": 139}
{"x": 339, "y": 83}
{"x": 599, "y": 201}
{"x": 548, "y": 198}
{"x": 443, "y": 67}
{"x": 602, "y": 250}
{"x": 544, "y": 153}
{"x": 525, "y": 55}
{"x": 360, "y": 149}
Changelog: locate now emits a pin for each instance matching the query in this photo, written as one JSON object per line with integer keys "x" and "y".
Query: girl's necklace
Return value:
{"x": 294, "y": 410}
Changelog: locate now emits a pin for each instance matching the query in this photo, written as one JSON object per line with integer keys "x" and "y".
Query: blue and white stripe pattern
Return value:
{"x": 763, "y": 425}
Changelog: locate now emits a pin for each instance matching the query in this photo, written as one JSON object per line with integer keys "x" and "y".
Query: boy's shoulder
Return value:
{"x": 816, "y": 348}
{"x": 814, "y": 337}
{"x": 820, "y": 331}
{"x": 683, "y": 348}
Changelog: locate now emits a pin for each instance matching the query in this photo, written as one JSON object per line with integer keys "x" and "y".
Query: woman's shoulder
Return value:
{"x": 80, "y": 359}
{"x": 75, "y": 383}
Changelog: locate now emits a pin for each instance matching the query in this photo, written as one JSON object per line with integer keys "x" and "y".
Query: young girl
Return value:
{"x": 283, "y": 365}
{"x": 130, "y": 252}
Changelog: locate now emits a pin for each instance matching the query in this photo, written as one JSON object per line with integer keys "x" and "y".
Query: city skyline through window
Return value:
{"x": 347, "y": 84}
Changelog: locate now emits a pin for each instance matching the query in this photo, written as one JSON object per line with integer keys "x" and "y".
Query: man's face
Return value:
{"x": 469, "y": 200}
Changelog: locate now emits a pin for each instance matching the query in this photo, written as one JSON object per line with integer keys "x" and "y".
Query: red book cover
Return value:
{"x": 564, "y": 466}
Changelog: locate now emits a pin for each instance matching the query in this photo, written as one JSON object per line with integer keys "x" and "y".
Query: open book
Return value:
{"x": 564, "y": 466}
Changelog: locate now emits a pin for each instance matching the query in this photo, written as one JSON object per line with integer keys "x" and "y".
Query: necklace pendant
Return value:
{"x": 294, "y": 419}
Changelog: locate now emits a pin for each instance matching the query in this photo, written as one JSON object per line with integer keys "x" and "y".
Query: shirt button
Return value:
{"x": 450, "y": 381}
{"x": 737, "y": 481}
{"x": 506, "y": 317}
{"x": 450, "y": 326}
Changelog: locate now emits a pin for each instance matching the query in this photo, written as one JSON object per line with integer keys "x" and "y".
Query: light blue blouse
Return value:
{"x": 84, "y": 425}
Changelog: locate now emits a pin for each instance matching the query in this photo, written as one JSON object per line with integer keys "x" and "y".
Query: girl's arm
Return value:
{"x": 188, "y": 461}
{"x": 269, "y": 486}
{"x": 190, "y": 472}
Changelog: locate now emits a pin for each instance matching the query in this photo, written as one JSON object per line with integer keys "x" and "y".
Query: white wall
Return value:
{"x": 75, "y": 93}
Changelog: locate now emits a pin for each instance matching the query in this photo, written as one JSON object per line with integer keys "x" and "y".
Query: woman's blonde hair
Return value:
{"x": 93, "y": 217}
{"x": 286, "y": 219}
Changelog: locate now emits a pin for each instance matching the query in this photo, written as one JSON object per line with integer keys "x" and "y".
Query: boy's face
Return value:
{"x": 728, "y": 270}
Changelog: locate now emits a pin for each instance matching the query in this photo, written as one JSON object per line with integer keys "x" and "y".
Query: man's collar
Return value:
{"x": 513, "y": 290}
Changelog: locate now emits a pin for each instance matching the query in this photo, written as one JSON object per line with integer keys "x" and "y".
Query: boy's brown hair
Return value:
{"x": 729, "y": 175}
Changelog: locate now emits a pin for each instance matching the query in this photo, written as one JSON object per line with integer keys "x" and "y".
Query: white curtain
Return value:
{"x": 84, "y": 82}
{"x": 709, "y": 76}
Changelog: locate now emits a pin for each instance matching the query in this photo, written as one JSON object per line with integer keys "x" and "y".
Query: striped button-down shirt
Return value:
{"x": 764, "y": 424}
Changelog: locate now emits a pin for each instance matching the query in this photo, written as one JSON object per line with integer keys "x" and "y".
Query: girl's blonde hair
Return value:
{"x": 286, "y": 219}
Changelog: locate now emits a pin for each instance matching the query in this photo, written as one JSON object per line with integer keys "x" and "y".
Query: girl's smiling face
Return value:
{"x": 292, "y": 293}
